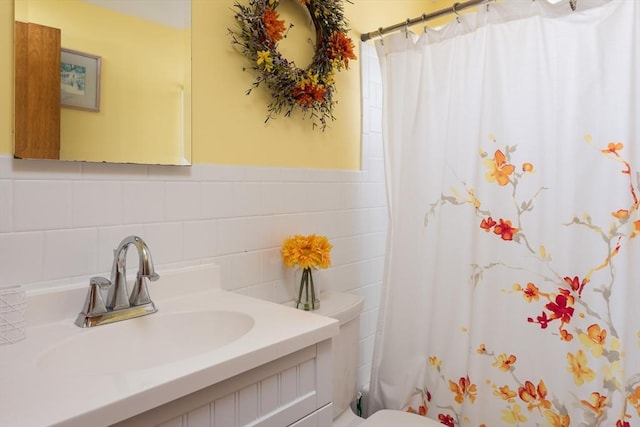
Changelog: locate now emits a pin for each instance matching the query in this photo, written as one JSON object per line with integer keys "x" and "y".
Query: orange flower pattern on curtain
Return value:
{"x": 557, "y": 304}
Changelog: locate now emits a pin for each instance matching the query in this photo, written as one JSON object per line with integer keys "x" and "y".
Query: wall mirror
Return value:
{"x": 142, "y": 113}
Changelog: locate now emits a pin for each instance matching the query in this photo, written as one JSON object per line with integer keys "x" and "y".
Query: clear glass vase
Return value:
{"x": 307, "y": 297}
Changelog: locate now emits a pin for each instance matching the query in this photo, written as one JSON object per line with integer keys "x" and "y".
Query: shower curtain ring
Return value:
{"x": 454, "y": 7}
{"x": 406, "y": 28}
{"x": 380, "y": 33}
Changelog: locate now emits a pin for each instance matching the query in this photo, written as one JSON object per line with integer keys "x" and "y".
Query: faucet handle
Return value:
{"x": 94, "y": 303}
{"x": 140, "y": 292}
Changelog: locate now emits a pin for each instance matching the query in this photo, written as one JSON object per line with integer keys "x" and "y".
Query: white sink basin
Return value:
{"x": 161, "y": 337}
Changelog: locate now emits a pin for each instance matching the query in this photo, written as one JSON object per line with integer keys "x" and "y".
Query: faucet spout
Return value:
{"x": 118, "y": 297}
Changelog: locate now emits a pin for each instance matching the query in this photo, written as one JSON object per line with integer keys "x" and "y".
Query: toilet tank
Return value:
{"x": 345, "y": 308}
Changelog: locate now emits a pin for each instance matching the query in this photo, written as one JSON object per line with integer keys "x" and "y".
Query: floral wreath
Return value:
{"x": 291, "y": 87}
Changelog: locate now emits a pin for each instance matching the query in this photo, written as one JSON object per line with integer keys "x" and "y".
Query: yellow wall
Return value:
{"x": 228, "y": 126}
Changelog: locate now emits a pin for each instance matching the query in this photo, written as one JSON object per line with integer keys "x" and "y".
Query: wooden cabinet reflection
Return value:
{"x": 37, "y": 91}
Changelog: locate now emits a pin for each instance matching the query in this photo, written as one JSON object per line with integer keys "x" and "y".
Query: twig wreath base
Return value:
{"x": 310, "y": 90}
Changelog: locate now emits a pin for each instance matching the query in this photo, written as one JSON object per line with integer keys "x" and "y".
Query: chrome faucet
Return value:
{"x": 120, "y": 305}
{"x": 118, "y": 297}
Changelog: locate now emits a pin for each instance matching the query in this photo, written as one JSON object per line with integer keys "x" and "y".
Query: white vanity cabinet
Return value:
{"x": 294, "y": 390}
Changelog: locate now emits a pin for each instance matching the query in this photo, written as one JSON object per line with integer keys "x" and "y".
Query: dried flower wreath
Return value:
{"x": 312, "y": 89}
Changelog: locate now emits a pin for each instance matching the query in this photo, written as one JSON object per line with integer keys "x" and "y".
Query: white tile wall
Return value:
{"x": 60, "y": 221}
{"x": 372, "y": 224}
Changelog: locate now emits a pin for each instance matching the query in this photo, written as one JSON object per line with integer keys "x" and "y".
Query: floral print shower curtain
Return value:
{"x": 512, "y": 150}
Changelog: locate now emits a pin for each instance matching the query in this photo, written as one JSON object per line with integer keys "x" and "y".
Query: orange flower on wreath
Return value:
{"x": 274, "y": 26}
{"x": 341, "y": 47}
{"x": 307, "y": 93}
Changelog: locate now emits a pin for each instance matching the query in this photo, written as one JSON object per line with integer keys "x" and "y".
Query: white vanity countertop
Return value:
{"x": 33, "y": 393}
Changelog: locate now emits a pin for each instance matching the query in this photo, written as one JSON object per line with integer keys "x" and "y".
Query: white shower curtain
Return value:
{"x": 512, "y": 285}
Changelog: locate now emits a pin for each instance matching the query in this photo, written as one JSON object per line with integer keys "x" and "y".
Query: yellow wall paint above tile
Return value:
{"x": 228, "y": 126}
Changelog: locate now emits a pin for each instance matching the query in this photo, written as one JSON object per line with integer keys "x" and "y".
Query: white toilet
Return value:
{"x": 346, "y": 308}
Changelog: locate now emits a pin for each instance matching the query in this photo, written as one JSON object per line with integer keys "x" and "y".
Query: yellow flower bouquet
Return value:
{"x": 307, "y": 252}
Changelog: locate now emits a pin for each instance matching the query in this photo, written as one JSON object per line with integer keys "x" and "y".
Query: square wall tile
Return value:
{"x": 200, "y": 239}
{"x": 262, "y": 232}
{"x": 271, "y": 266}
{"x": 245, "y": 270}
{"x": 295, "y": 197}
{"x": 41, "y": 205}
{"x": 142, "y": 202}
{"x": 374, "y": 194}
{"x": 347, "y": 250}
{"x": 216, "y": 199}
{"x": 232, "y": 236}
{"x": 182, "y": 201}
{"x": 283, "y": 291}
{"x": 247, "y": 198}
{"x": 96, "y": 203}
{"x": 21, "y": 258}
{"x": 273, "y": 198}
{"x": 374, "y": 245}
{"x": 69, "y": 253}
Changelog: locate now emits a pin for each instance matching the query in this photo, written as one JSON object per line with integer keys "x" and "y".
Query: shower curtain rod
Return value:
{"x": 457, "y": 7}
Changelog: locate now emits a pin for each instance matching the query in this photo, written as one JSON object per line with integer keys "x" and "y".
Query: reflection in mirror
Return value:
{"x": 144, "y": 113}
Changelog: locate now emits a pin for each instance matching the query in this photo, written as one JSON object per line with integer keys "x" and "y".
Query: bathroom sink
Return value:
{"x": 162, "y": 337}
{"x": 201, "y": 337}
